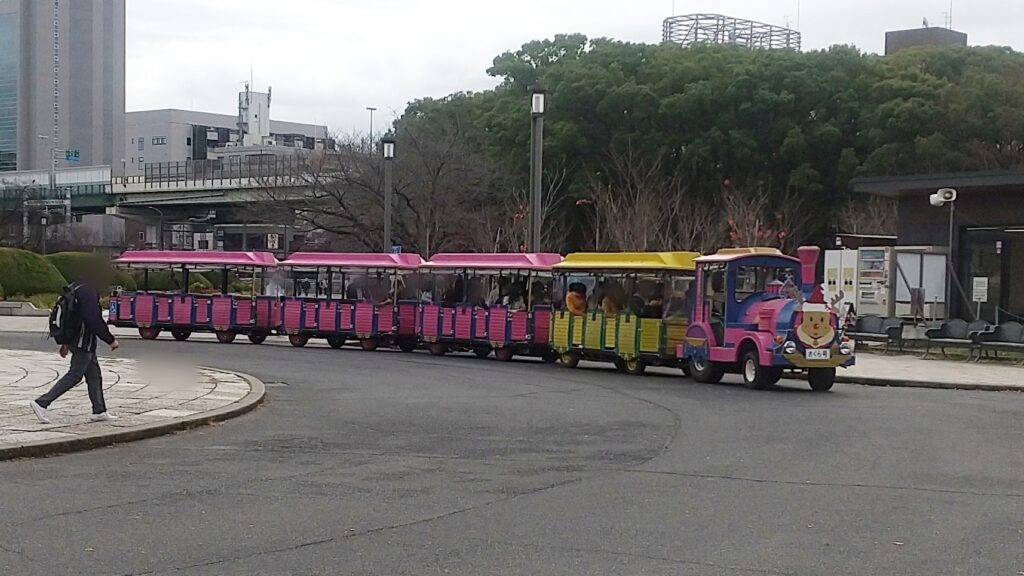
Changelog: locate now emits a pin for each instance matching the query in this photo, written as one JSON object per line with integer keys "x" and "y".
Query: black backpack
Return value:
{"x": 65, "y": 321}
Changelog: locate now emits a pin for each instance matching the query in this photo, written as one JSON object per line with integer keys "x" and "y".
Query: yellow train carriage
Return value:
{"x": 630, "y": 308}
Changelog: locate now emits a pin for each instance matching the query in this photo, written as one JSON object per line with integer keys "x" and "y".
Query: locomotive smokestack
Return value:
{"x": 808, "y": 266}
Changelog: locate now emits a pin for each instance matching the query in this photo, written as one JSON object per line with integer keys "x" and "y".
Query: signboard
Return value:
{"x": 980, "y": 291}
{"x": 396, "y": 249}
{"x": 72, "y": 155}
{"x": 273, "y": 241}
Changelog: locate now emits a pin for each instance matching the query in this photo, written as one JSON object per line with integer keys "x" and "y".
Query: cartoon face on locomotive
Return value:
{"x": 759, "y": 312}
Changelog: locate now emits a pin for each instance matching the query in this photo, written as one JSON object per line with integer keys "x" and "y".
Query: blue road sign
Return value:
{"x": 72, "y": 155}
{"x": 396, "y": 249}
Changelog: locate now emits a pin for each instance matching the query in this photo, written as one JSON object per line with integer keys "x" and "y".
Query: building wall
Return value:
{"x": 90, "y": 80}
{"x": 903, "y": 39}
{"x": 9, "y": 53}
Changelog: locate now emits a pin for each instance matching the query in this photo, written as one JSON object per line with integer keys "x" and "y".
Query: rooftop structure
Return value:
{"x": 718, "y": 29}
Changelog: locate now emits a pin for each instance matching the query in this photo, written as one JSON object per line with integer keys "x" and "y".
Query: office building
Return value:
{"x": 62, "y": 68}
{"x": 161, "y": 136}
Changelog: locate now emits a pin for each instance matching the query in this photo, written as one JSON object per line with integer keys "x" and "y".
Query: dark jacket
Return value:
{"x": 87, "y": 303}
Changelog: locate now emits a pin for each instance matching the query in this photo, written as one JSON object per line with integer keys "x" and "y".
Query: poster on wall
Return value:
{"x": 980, "y": 290}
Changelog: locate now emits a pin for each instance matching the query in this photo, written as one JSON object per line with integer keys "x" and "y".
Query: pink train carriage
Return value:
{"x": 485, "y": 302}
{"x": 189, "y": 308}
{"x": 367, "y": 298}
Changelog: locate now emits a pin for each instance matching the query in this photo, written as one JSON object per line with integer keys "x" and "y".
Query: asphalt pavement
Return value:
{"x": 389, "y": 463}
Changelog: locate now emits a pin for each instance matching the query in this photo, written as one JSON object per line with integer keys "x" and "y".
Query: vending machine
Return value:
{"x": 874, "y": 281}
{"x": 841, "y": 278}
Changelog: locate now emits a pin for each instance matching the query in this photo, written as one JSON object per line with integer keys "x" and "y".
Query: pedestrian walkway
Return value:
{"x": 910, "y": 370}
{"x": 148, "y": 397}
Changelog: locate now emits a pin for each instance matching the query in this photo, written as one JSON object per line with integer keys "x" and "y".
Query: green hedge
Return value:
{"x": 24, "y": 272}
{"x": 167, "y": 281}
{"x": 74, "y": 266}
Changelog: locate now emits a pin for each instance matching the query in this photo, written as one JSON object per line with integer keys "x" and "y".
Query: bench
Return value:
{"x": 877, "y": 329}
{"x": 957, "y": 334}
{"x": 1008, "y": 337}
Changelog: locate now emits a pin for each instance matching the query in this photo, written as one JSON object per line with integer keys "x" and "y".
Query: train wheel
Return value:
{"x": 482, "y": 352}
{"x": 149, "y": 333}
{"x": 181, "y": 335}
{"x": 569, "y": 360}
{"x": 705, "y": 371}
{"x": 368, "y": 344}
{"x": 437, "y": 349}
{"x": 225, "y": 337}
{"x": 634, "y": 366}
{"x": 257, "y": 337}
{"x": 755, "y": 375}
{"x": 504, "y": 354}
{"x": 407, "y": 344}
{"x": 335, "y": 341}
{"x": 298, "y": 340}
{"x": 821, "y": 379}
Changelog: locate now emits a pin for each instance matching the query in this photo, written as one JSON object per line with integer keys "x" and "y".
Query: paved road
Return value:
{"x": 383, "y": 463}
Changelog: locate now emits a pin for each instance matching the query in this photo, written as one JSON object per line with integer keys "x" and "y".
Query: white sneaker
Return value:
{"x": 40, "y": 412}
{"x": 102, "y": 417}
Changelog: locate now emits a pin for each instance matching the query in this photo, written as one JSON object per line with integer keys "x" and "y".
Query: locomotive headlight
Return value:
{"x": 845, "y": 349}
{"x": 789, "y": 347}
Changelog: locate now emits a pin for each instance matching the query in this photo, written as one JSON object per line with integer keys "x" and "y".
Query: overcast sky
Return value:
{"x": 329, "y": 59}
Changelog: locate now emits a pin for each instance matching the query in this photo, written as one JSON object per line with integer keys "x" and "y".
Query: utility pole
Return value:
{"x": 535, "y": 220}
{"x": 388, "y": 146}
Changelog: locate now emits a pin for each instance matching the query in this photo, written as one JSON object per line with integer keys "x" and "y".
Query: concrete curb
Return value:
{"x": 892, "y": 383}
{"x": 257, "y": 394}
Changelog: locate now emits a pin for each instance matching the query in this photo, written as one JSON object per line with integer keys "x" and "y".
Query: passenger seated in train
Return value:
{"x": 456, "y": 293}
{"x": 613, "y": 297}
{"x": 576, "y": 299}
{"x": 647, "y": 301}
{"x": 475, "y": 293}
{"x": 680, "y": 301}
{"x": 539, "y": 295}
{"x": 514, "y": 300}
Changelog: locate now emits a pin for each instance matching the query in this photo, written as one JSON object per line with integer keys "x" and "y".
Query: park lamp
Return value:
{"x": 388, "y": 144}
{"x": 941, "y": 197}
{"x": 537, "y": 100}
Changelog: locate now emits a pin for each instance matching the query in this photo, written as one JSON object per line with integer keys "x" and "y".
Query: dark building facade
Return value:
{"x": 903, "y": 39}
{"x": 987, "y": 232}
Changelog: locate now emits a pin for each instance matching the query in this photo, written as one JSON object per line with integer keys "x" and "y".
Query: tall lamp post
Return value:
{"x": 941, "y": 198}
{"x": 371, "y": 110}
{"x": 388, "y": 148}
{"x": 537, "y": 103}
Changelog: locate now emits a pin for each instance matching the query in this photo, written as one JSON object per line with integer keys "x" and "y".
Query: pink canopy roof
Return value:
{"x": 197, "y": 258}
{"x": 354, "y": 260}
{"x": 505, "y": 261}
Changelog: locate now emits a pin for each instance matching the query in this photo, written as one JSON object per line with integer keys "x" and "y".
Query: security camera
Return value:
{"x": 943, "y": 196}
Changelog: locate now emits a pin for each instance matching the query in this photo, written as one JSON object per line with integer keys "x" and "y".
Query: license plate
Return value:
{"x": 821, "y": 354}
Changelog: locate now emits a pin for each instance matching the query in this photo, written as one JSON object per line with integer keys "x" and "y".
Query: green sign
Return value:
{"x": 72, "y": 155}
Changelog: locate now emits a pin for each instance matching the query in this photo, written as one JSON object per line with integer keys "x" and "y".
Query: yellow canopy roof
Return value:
{"x": 629, "y": 261}
{"x": 749, "y": 251}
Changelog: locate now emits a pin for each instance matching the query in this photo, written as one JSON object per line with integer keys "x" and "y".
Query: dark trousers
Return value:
{"x": 83, "y": 364}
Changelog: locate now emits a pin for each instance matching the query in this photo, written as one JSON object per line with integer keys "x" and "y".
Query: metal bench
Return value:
{"x": 1008, "y": 337}
{"x": 886, "y": 331}
{"x": 957, "y": 334}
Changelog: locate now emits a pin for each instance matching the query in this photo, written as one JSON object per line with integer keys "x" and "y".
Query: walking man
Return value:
{"x": 82, "y": 348}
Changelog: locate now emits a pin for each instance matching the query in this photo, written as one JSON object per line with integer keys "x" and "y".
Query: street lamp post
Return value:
{"x": 939, "y": 199}
{"x": 388, "y": 148}
{"x": 537, "y": 103}
{"x": 43, "y": 222}
{"x": 369, "y": 139}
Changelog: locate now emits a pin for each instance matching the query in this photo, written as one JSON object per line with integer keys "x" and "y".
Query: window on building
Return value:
{"x": 203, "y": 244}
{"x": 142, "y": 143}
{"x": 141, "y": 160}
{"x": 159, "y": 140}
{"x": 188, "y": 141}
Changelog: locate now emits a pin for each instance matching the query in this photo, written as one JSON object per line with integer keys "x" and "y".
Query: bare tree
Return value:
{"x": 749, "y": 218}
{"x": 873, "y": 215}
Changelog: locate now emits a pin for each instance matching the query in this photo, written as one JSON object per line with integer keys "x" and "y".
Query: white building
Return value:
{"x": 170, "y": 135}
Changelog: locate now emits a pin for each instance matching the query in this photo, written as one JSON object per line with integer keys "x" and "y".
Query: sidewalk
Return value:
{"x": 905, "y": 370}
{"x": 149, "y": 399}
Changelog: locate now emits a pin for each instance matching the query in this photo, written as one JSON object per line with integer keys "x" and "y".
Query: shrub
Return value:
{"x": 125, "y": 280}
{"x": 167, "y": 281}
{"x": 1, "y": 291}
{"x": 74, "y": 265}
{"x": 28, "y": 273}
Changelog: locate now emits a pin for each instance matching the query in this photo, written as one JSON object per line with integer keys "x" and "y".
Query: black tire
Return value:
{"x": 549, "y": 357}
{"x": 437, "y": 349}
{"x": 225, "y": 337}
{"x": 298, "y": 340}
{"x": 335, "y": 341}
{"x": 706, "y": 371}
{"x": 504, "y": 354}
{"x": 634, "y": 366}
{"x": 407, "y": 344}
{"x": 257, "y": 337}
{"x": 686, "y": 370}
{"x": 776, "y": 375}
{"x": 149, "y": 333}
{"x": 755, "y": 376}
{"x": 181, "y": 335}
{"x": 482, "y": 352}
{"x": 569, "y": 360}
{"x": 821, "y": 379}
{"x": 369, "y": 344}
